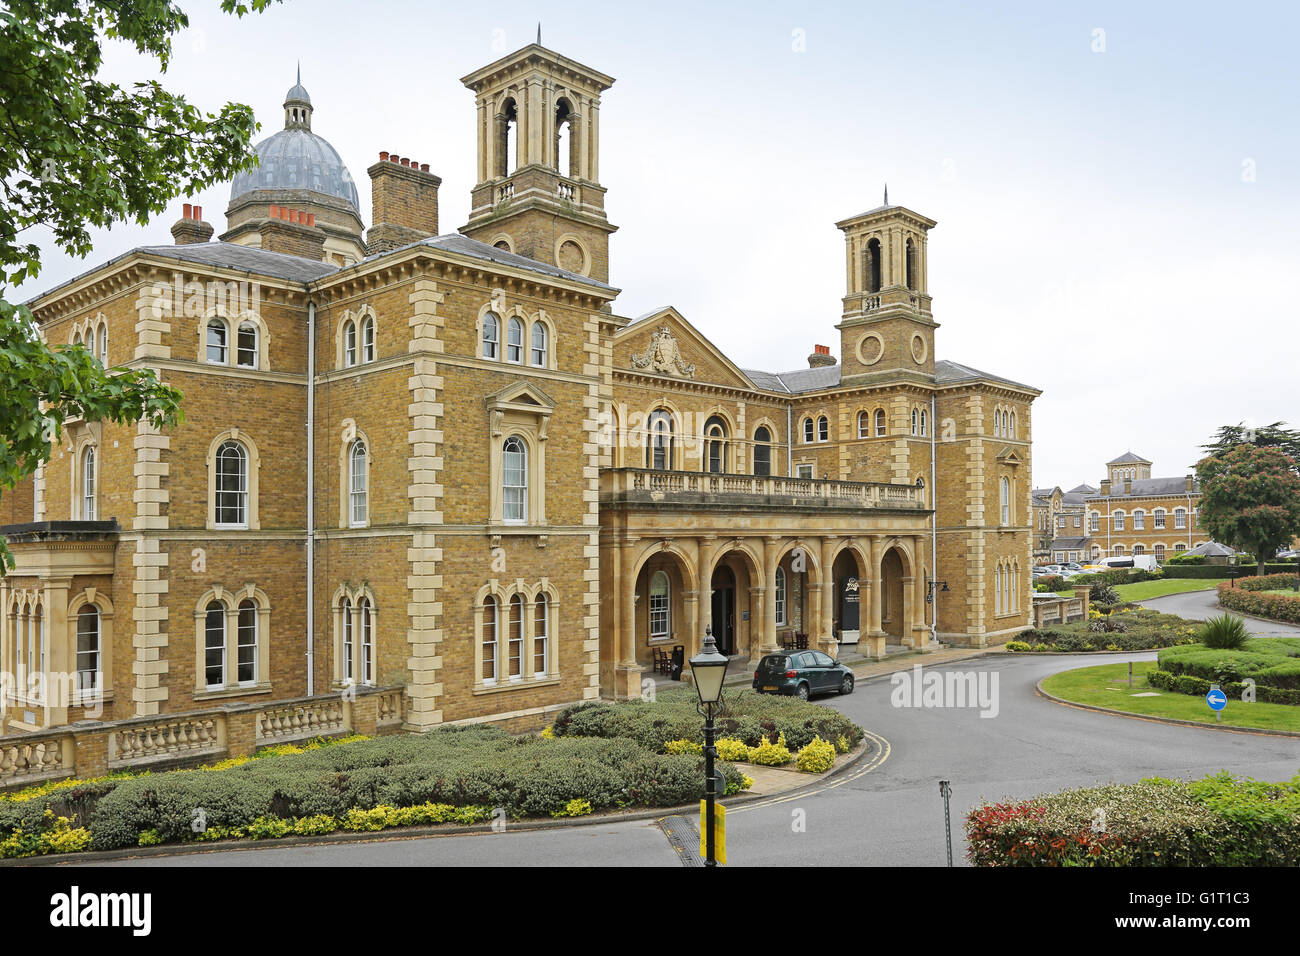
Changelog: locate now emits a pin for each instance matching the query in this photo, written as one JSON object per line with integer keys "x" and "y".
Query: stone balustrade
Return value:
{"x": 92, "y": 748}
{"x": 643, "y": 485}
{"x": 1057, "y": 609}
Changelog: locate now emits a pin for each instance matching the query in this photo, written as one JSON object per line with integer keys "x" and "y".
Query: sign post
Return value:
{"x": 1217, "y": 700}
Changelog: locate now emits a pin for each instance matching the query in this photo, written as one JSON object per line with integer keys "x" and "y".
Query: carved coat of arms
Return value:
{"x": 662, "y": 355}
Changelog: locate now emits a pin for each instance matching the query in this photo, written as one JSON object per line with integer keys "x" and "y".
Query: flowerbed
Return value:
{"x": 1217, "y": 821}
{"x": 1130, "y": 629}
{"x": 1250, "y": 597}
{"x": 1273, "y": 663}
{"x": 450, "y": 775}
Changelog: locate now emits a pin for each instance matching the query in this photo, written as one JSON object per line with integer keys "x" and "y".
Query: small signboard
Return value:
{"x": 849, "y": 604}
{"x": 1217, "y": 699}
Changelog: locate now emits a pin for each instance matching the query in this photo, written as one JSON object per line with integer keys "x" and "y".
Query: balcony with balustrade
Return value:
{"x": 642, "y": 488}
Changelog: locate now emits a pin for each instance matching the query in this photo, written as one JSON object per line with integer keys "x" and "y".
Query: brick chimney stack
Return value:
{"x": 191, "y": 228}
{"x": 293, "y": 232}
{"x": 404, "y": 202}
{"x": 821, "y": 357}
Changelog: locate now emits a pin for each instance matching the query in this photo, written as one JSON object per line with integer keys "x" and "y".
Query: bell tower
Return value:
{"x": 887, "y": 330}
{"x": 538, "y": 191}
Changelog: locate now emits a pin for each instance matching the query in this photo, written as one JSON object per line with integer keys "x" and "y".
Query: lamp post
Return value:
{"x": 708, "y": 670}
{"x": 1232, "y": 569}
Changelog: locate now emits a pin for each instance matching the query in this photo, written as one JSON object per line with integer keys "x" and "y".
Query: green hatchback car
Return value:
{"x": 801, "y": 674}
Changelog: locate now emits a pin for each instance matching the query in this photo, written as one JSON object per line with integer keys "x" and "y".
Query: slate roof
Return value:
{"x": 828, "y": 376}
{"x": 1084, "y": 489}
{"x": 1148, "y": 487}
{"x": 1212, "y": 549}
{"x": 465, "y": 246}
{"x": 1128, "y": 458}
{"x": 1069, "y": 544}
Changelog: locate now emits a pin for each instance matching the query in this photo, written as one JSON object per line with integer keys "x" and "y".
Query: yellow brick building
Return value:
{"x": 444, "y": 468}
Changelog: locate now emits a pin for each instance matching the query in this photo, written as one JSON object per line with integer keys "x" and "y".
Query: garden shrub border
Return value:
{"x": 1247, "y": 599}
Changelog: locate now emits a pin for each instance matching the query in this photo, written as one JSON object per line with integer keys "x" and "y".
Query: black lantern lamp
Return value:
{"x": 708, "y": 671}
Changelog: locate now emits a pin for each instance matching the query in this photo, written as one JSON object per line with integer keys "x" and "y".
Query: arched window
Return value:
{"x": 541, "y": 637}
{"x": 808, "y": 431}
{"x": 923, "y": 422}
{"x": 516, "y": 638}
{"x": 1119, "y": 521}
{"x": 103, "y": 345}
{"x": 1011, "y": 431}
{"x": 715, "y": 437}
{"x": 491, "y": 336}
{"x": 490, "y": 648}
{"x": 358, "y": 485}
{"x": 1094, "y": 522}
{"x": 246, "y": 345}
{"x": 349, "y": 642}
{"x": 246, "y": 643}
{"x": 514, "y": 341}
{"x": 1006, "y": 501}
{"x": 880, "y": 423}
{"x": 1139, "y": 549}
{"x": 214, "y": 645}
{"x": 539, "y": 345}
{"x": 1119, "y": 550}
{"x": 1159, "y": 515}
{"x": 659, "y": 452}
{"x": 997, "y": 423}
{"x": 997, "y": 590}
{"x": 514, "y": 480}
{"x": 349, "y": 343}
{"x": 1180, "y": 517}
{"x": 911, "y": 265}
{"x": 89, "y": 647}
{"x": 660, "y": 612}
{"x": 232, "y": 485}
{"x": 368, "y": 339}
{"x": 864, "y": 425}
{"x": 88, "y": 484}
{"x": 823, "y": 429}
{"x": 218, "y": 342}
{"x": 367, "y": 642}
{"x": 780, "y": 595}
{"x": 1160, "y": 552}
{"x": 762, "y": 451}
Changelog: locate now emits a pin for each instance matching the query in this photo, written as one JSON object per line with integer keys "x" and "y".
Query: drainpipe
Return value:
{"x": 934, "y": 529}
{"x": 311, "y": 498}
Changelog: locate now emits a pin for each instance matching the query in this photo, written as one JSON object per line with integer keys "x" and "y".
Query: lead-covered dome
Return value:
{"x": 296, "y": 158}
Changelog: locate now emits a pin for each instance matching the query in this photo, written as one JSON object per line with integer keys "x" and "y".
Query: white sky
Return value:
{"x": 1097, "y": 237}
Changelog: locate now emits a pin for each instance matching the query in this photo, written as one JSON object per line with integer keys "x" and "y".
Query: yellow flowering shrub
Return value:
{"x": 56, "y": 835}
{"x": 683, "y": 747}
{"x": 732, "y": 748}
{"x": 768, "y": 754}
{"x": 574, "y": 808}
{"x": 842, "y": 744}
{"x": 547, "y": 733}
{"x": 817, "y": 757}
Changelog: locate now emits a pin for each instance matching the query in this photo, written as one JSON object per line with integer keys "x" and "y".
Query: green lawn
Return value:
{"x": 1144, "y": 590}
{"x": 1107, "y": 686}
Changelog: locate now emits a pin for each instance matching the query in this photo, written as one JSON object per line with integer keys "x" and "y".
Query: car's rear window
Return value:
{"x": 774, "y": 662}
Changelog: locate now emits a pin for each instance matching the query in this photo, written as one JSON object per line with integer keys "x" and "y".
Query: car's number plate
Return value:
{"x": 769, "y": 687}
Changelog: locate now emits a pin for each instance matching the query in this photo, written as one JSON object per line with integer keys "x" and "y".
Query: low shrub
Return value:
{"x": 683, "y": 747}
{"x": 1223, "y": 632}
{"x": 1217, "y": 821}
{"x": 51, "y": 834}
{"x": 816, "y": 757}
{"x": 768, "y": 754}
{"x": 1277, "y": 607}
{"x": 731, "y": 748}
{"x": 1273, "y": 662}
{"x": 1017, "y": 645}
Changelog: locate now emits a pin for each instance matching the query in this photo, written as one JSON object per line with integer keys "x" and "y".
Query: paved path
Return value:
{"x": 892, "y": 815}
{"x": 1198, "y": 605}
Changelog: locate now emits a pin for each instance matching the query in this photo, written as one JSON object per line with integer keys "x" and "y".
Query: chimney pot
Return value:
{"x": 424, "y": 167}
{"x": 311, "y": 219}
{"x": 406, "y": 161}
{"x": 198, "y": 213}
{"x": 187, "y": 214}
{"x": 383, "y": 155}
{"x": 273, "y": 212}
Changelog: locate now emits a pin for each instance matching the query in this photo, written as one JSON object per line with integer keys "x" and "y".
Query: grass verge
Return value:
{"x": 1107, "y": 686}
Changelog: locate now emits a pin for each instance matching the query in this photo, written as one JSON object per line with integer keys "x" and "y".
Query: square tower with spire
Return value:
{"x": 538, "y": 192}
{"x": 887, "y": 330}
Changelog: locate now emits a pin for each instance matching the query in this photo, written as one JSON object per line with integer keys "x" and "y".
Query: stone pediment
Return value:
{"x": 664, "y": 343}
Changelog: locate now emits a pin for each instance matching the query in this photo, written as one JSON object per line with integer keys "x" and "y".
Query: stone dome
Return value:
{"x": 296, "y": 158}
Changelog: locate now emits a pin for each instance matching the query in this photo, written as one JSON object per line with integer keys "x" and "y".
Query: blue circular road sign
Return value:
{"x": 1217, "y": 699}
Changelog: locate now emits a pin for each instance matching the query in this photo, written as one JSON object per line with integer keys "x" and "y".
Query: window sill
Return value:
{"x": 225, "y": 692}
{"x": 484, "y": 689}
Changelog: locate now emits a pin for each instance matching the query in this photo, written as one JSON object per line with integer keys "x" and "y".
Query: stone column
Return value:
{"x": 919, "y": 627}
{"x": 707, "y": 550}
{"x": 824, "y": 639}
{"x": 61, "y": 653}
{"x": 769, "y": 602}
{"x": 627, "y": 676}
{"x": 872, "y": 641}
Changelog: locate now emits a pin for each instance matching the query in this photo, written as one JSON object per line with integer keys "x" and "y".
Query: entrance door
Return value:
{"x": 724, "y": 610}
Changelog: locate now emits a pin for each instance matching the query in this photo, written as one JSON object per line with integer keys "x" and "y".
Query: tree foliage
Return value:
{"x": 1276, "y": 435}
{"x": 1250, "y": 499}
{"x": 77, "y": 153}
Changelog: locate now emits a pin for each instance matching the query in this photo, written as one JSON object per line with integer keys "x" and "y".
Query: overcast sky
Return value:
{"x": 1116, "y": 184}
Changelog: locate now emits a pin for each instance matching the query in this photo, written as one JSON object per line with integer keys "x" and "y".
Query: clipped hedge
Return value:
{"x": 1275, "y": 607}
{"x": 1199, "y": 687}
{"x": 746, "y": 715}
{"x": 1243, "y": 571}
{"x": 1133, "y": 629}
{"x": 1271, "y": 661}
{"x": 1217, "y": 821}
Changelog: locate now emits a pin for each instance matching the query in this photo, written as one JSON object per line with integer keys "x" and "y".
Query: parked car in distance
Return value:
{"x": 801, "y": 674}
{"x": 1147, "y": 562}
